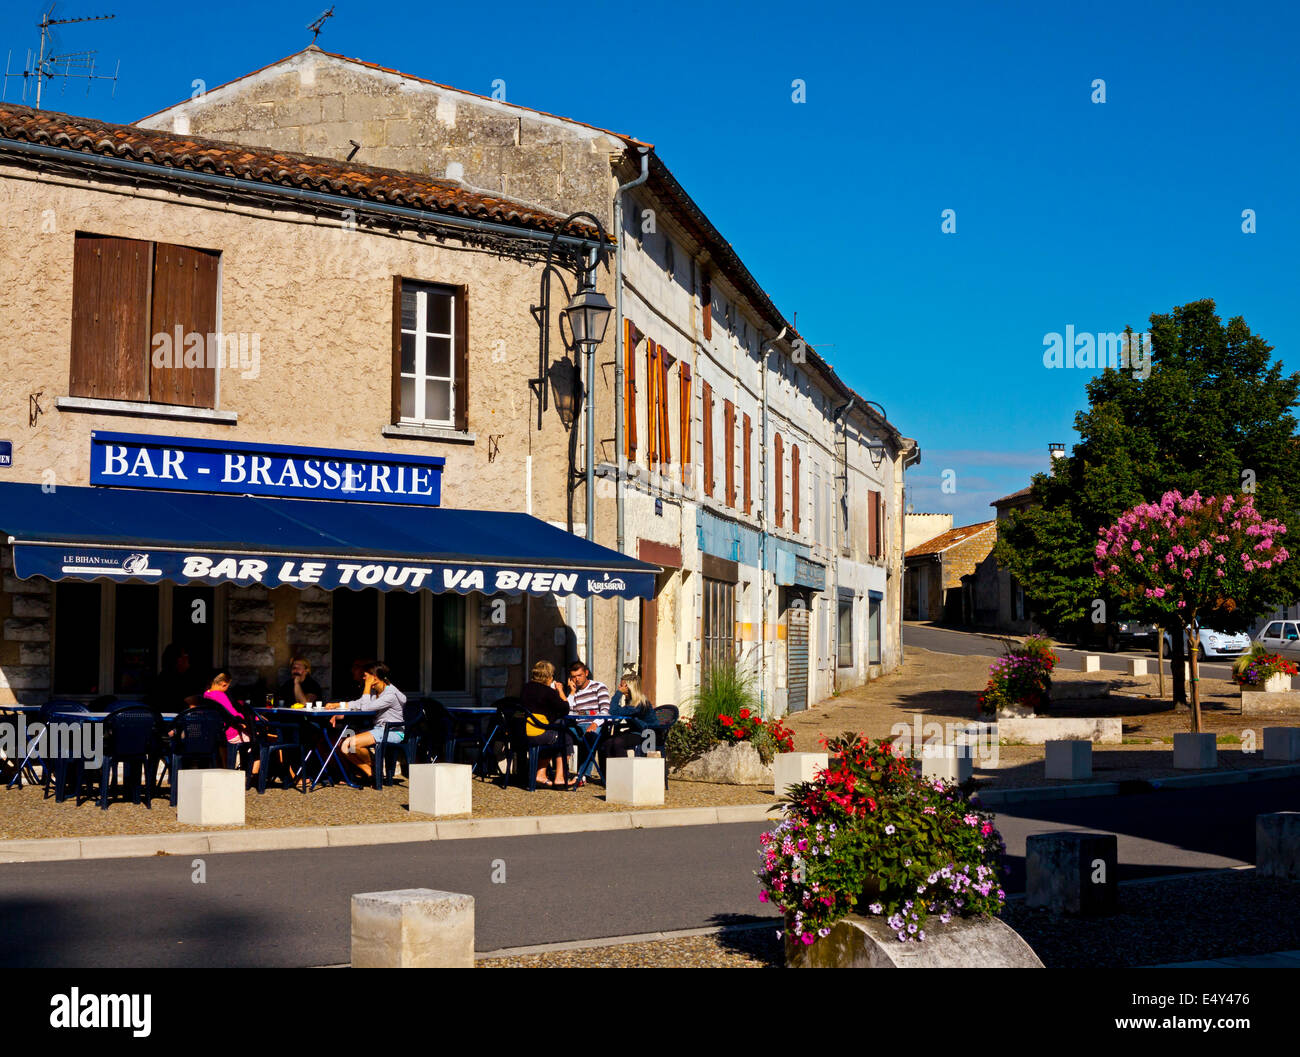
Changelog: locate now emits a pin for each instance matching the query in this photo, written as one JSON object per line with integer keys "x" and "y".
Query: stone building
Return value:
{"x": 315, "y": 330}
{"x": 938, "y": 570}
{"x": 727, "y": 451}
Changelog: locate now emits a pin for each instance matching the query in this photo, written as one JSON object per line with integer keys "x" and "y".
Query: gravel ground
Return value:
{"x": 25, "y": 813}
{"x": 1201, "y": 916}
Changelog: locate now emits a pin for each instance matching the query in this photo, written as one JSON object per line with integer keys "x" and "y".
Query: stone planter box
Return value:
{"x": 1195, "y": 752}
{"x": 737, "y": 764}
{"x": 867, "y": 943}
{"x": 1255, "y": 703}
{"x": 1039, "y": 730}
{"x": 1274, "y": 684}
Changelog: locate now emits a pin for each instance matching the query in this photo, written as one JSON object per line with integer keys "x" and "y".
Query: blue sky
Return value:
{"x": 1068, "y": 212}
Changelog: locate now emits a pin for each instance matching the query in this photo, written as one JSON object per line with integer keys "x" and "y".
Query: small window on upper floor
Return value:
{"x": 670, "y": 259}
{"x": 430, "y": 354}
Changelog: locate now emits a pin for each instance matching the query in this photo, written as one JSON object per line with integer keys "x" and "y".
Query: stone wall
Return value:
{"x": 25, "y": 608}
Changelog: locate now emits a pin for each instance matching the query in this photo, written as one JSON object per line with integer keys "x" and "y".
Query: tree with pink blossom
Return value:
{"x": 1186, "y": 558}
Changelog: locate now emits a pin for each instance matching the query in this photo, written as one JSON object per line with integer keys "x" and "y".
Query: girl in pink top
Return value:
{"x": 217, "y": 692}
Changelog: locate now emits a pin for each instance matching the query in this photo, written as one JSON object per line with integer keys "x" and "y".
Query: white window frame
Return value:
{"x": 421, "y": 376}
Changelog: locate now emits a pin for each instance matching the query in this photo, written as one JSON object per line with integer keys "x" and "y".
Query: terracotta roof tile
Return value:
{"x": 948, "y": 539}
{"x": 284, "y": 168}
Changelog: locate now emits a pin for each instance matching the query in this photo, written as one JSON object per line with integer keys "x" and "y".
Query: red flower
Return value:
{"x": 740, "y": 732}
{"x": 725, "y": 720}
{"x": 744, "y": 713}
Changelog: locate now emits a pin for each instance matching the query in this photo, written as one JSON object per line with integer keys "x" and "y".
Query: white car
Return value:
{"x": 1281, "y": 636}
{"x": 1217, "y": 643}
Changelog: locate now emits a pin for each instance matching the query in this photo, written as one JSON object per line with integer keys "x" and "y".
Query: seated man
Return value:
{"x": 587, "y": 696}
{"x": 301, "y": 689}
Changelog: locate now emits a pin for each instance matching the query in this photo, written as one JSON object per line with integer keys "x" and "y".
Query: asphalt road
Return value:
{"x": 967, "y": 643}
{"x": 291, "y": 908}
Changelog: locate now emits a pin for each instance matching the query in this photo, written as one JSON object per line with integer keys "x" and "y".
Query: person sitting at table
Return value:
{"x": 178, "y": 685}
{"x": 544, "y": 706}
{"x": 301, "y": 688}
{"x": 236, "y": 731}
{"x": 377, "y": 693}
{"x": 637, "y": 713}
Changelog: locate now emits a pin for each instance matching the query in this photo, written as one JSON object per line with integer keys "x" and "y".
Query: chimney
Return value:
{"x": 1055, "y": 451}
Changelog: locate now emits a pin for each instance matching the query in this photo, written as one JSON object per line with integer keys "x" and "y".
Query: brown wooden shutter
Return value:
{"x": 651, "y": 404}
{"x": 684, "y": 413}
{"x": 729, "y": 424}
{"x": 706, "y": 304}
{"x": 111, "y": 348}
{"x": 665, "y": 426}
{"x": 397, "y": 348}
{"x": 794, "y": 487}
{"x": 707, "y": 395}
{"x": 779, "y": 448}
{"x": 460, "y": 384}
{"x": 629, "y": 390}
{"x": 746, "y": 454}
{"x": 873, "y": 514}
{"x": 185, "y": 305}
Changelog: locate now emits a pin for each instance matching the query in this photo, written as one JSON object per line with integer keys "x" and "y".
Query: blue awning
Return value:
{"x": 148, "y": 536}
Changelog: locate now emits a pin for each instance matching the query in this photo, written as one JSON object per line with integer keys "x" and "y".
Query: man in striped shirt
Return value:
{"x": 586, "y": 695}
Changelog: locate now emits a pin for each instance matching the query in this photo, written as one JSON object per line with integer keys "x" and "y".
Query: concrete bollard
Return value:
{"x": 1070, "y": 760}
{"x": 441, "y": 788}
{"x": 1090, "y": 662}
{"x": 1137, "y": 666}
{"x": 635, "y": 780}
{"x": 1195, "y": 752}
{"x": 1072, "y": 873}
{"x": 1277, "y": 845}
{"x": 791, "y": 768}
{"x": 211, "y": 796}
{"x": 413, "y": 928}
{"x": 1282, "y": 743}
{"x": 952, "y": 763}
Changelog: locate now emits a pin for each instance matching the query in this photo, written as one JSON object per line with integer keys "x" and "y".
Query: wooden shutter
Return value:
{"x": 746, "y": 454}
{"x": 779, "y": 449}
{"x": 110, "y": 318}
{"x": 185, "y": 303}
{"x": 652, "y": 404}
{"x": 794, "y": 487}
{"x": 684, "y": 413}
{"x": 629, "y": 390}
{"x": 873, "y": 514}
{"x": 460, "y": 354}
{"x": 706, "y": 305}
{"x": 729, "y": 424}
{"x": 665, "y": 426}
{"x": 397, "y": 348}
{"x": 707, "y": 395}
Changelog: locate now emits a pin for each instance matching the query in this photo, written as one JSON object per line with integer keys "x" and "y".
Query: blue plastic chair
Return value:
{"x": 387, "y": 754}
{"x": 130, "y": 739}
{"x": 199, "y": 737}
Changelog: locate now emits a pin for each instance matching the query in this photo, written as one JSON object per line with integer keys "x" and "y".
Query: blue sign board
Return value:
{"x": 132, "y": 460}
{"x": 6, "y": 453}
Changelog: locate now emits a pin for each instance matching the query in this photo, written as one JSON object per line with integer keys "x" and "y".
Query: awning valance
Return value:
{"x": 148, "y": 536}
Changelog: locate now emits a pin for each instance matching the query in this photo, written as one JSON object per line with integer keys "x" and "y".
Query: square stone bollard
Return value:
{"x": 441, "y": 788}
{"x": 635, "y": 780}
{"x": 1195, "y": 752}
{"x": 1090, "y": 662}
{"x": 211, "y": 796}
{"x": 1277, "y": 845}
{"x": 1137, "y": 666}
{"x": 1070, "y": 760}
{"x": 1282, "y": 743}
{"x": 790, "y": 768}
{"x": 413, "y": 928}
{"x": 1072, "y": 873}
{"x": 952, "y": 763}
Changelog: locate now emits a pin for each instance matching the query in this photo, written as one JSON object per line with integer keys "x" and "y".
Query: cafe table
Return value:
{"x": 320, "y": 718}
{"x": 58, "y": 716}
{"x": 603, "y": 734}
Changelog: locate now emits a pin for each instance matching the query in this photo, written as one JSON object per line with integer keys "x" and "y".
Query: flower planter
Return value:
{"x": 737, "y": 764}
{"x": 866, "y": 943}
{"x": 1274, "y": 684}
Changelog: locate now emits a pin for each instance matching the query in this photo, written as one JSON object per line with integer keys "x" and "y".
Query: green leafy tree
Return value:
{"x": 1214, "y": 414}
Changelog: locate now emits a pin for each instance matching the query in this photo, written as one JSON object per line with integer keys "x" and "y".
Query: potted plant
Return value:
{"x": 1262, "y": 672}
{"x": 1020, "y": 681}
{"x": 871, "y": 837}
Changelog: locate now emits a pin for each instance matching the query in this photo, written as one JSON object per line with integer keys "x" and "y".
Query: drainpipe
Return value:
{"x": 619, "y": 358}
{"x": 762, "y": 520}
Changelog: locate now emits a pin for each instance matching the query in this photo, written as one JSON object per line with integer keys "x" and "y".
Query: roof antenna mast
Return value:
{"x": 47, "y": 64}
{"x": 319, "y": 24}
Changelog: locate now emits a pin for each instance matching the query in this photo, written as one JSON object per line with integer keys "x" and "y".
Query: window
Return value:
{"x": 670, "y": 259}
{"x": 430, "y": 354}
{"x": 845, "y": 632}
{"x": 652, "y": 404}
{"x": 706, "y": 393}
{"x": 144, "y": 322}
{"x": 794, "y": 487}
{"x": 630, "y": 336}
{"x": 778, "y": 448}
{"x": 875, "y": 550}
{"x": 729, "y": 448}
{"x": 684, "y": 414}
{"x": 719, "y": 623}
{"x": 109, "y": 638}
{"x": 421, "y": 637}
{"x": 873, "y": 630}
{"x": 706, "y": 309}
{"x": 746, "y": 455}
{"x": 665, "y": 426}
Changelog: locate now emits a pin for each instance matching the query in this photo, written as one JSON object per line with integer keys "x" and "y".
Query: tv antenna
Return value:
{"x": 47, "y": 64}
{"x": 319, "y": 24}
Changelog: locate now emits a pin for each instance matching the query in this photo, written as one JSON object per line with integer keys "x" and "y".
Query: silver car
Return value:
{"x": 1281, "y": 636}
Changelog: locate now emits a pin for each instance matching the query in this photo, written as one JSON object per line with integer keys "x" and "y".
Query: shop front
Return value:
{"x": 246, "y": 555}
